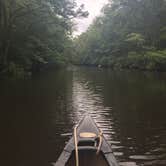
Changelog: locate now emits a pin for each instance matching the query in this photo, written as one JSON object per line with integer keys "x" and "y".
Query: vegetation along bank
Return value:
{"x": 128, "y": 34}
{"x": 35, "y": 34}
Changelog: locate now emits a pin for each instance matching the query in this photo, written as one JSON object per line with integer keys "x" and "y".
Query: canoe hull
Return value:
{"x": 86, "y": 149}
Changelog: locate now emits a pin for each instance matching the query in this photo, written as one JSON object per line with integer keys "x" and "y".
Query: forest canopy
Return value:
{"x": 128, "y": 34}
{"x": 36, "y": 32}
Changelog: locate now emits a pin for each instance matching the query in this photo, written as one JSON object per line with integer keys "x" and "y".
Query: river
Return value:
{"x": 129, "y": 106}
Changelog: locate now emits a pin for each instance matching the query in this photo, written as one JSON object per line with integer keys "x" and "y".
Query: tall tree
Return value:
{"x": 35, "y": 31}
{"x": 126, "y": 27}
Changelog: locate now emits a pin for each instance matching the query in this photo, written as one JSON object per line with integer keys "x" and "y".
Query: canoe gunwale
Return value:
{"x": 86, "y": 125}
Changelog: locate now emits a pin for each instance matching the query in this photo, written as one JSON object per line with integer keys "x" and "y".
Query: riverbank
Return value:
{"x": 19, "y": 71}
{"x": 147, "y": 61}
{"x": 152, "y": 61}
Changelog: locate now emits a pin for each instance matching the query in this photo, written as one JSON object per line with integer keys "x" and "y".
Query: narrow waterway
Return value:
{"x": 130, "y": 108}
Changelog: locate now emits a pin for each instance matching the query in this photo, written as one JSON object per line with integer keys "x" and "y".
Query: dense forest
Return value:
{"x": 128, "y": 34}
{"x": 36, "y": 33}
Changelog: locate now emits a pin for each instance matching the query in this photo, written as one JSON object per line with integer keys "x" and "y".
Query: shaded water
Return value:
{"x": 130, "y": 107}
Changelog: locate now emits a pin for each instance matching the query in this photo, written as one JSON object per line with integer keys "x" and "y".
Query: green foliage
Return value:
{"x": 147, "y": 61}
{"x": 129, "y": 34}
{"x": 16, "y": 70}
{"x": 135, "y": 39}
{"x": 36, "y": 32}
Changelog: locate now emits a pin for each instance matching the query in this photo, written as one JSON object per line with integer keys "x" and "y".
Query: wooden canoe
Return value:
{"x": 87, "y": 134}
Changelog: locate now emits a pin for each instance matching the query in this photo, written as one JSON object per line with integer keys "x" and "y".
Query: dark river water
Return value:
{"x": 130, "y": 108}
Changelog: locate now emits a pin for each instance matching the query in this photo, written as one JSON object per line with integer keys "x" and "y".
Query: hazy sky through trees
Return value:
{"x": 93, "y": 7}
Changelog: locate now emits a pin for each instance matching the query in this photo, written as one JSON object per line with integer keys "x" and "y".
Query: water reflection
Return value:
{"x": 129, "y": 107}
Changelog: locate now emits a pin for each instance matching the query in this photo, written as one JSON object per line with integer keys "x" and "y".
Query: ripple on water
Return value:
{"x": 87, "y": 100}
{"x": 115, "y": 147}
{"x": 143, "y": 157}
{"x": 158, "y": 150}
{"x": 128, "y": 164}
{"x": 155, "y": 163}
{"x": 118, "y": 154}
{"x": 115, "y": 142}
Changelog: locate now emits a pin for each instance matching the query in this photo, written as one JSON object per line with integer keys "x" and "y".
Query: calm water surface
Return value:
{"x": 130, "y": 107}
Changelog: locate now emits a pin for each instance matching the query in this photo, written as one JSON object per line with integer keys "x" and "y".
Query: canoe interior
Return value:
{"x": 88, "y": 158}
{"x": 87, "y": 148}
